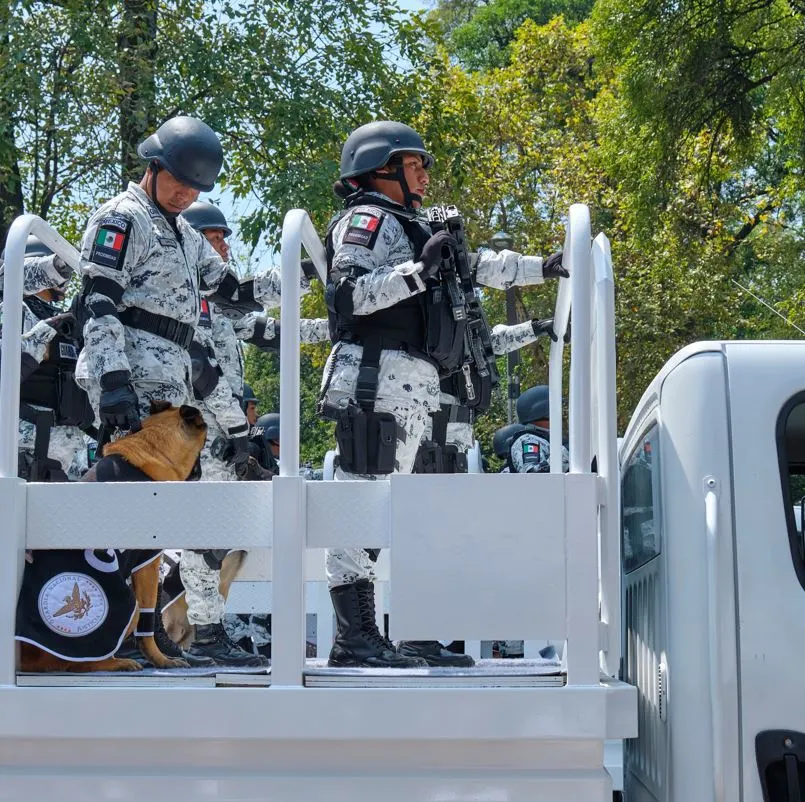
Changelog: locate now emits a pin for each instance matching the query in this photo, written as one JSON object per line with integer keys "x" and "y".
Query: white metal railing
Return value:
{"x": 290, "y": 517}
{"x": 12, "y": 325}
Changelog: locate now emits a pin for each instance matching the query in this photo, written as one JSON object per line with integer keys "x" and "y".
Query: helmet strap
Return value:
{"x": 154, "y": 167}
{"x": 399, "y": 176}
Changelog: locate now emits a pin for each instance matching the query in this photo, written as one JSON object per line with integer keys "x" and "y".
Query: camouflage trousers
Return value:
{"x": 205, "y": 604}
{"x": 176, "y": 392}
{"x": 67, "y": 445}
{"x": 408, "y": 388}
{"x": 458, "y": 434}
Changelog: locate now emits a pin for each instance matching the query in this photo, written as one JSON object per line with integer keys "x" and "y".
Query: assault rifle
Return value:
{"x": 477, "y": 375}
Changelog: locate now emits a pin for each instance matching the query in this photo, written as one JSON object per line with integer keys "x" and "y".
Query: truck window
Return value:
{"x": 640, "y": 520}
{"x": 791, "y": 454}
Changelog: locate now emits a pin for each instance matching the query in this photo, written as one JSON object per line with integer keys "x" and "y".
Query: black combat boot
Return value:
{"x": 359, "y": 645}
{"x": 366, "y": 594}
{"x": 434, "y": 654}
{"x": 213, "y": 641}
{"x": 171, "y": 649}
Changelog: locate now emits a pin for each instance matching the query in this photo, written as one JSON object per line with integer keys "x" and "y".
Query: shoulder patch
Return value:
{"x": 111, "y": 241}
{"x": 532, "y": 452}
{"x": 362, "y": 229}
{"x": 204, "y": 316}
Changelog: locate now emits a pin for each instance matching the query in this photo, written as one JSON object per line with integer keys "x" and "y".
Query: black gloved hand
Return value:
{"x": 309, "y": 269}
{"x": 64, "y": 324}
{"x": 433, "y": 251}
{"x": 239, "y": 453}
{"x": 61, "y": 267}
{"x": 552, "y": 267}
{"x": 544, "y": 327}
{"x": 119, "y": 407}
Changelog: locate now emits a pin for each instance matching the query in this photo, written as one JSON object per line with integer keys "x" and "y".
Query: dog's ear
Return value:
{"x": 159, "y": 406}
{"x": 188, "y": 413}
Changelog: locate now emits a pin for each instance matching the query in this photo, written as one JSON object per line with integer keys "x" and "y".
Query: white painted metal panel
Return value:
{"x": 150, "y": 515}
{"x": 771, "y": 601}
{"x": 464, "y": 568}
{"x": 340, "y": 511}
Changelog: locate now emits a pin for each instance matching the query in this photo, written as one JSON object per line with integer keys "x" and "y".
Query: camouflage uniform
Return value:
{"x": 408, "y": 387}
{"x": 161, "y": 273}
{"x": 531, "y": 453}
{"x": 39, "y": 274}
{"x": 67, "y": 443}
{"x": 315, "y": 330}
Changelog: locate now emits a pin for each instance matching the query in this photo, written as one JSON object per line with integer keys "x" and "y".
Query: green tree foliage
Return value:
{"x": 481, "y": 33}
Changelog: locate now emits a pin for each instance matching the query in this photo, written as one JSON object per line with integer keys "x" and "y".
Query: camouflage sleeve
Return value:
{"x": 267, "y": 287}
{"x": 221, "y": 402}
{"x": 113, "y": 244}
{"x": 315, "y": 330}
{"x": 365, "y": 275}
{"x": 507, "y": 269}
{"x": 512, "y": 338}
{"x": 36, "y": 336}
{"x": 41, "y": 274}
{"x": 530, "y": 453}
{"x": 211, "y": 267}
{"x": 36, "y": 340}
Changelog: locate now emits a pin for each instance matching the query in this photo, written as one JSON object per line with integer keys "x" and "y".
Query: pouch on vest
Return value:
{"x": 74, "y": 407}
{"x": 446, "y": 323}
{"x": 428, "y": 458}
{"x": 367, "y": 441}
{"x": 454, "y": 461}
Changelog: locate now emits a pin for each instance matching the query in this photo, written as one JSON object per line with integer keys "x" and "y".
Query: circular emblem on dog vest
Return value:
{"x": 73, "y": 605}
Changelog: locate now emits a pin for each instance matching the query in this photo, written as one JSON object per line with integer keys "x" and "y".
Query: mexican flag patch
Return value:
{"x": 109, "y": 244}
{"x": 367, "y": 222}
{"x": 363, "y": 229}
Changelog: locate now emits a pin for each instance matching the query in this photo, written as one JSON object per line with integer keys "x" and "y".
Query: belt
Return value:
{"x": 165, "y": 327}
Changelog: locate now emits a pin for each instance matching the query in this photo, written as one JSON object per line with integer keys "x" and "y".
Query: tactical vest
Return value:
{"x": 52, "y": 385}
{"x": 430, "y": 322}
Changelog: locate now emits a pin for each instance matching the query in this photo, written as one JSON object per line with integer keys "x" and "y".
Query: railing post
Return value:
{"x": 290, "y": 514}
{"x": 580, "y": 266}
{"x": 607, "y": 440}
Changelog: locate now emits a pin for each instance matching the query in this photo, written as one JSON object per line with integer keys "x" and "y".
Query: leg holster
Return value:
{"x": 429, "y": 458}
{"x": 367, "y": 440}
{"x": 454, "y": 461}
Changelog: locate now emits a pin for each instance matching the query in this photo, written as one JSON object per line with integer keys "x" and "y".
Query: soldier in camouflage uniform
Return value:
{"x": 144, "y": 268}
{"x": 48, "y": 361}
{"x": 380, "y": 256}
{"x": 529, "y": 450}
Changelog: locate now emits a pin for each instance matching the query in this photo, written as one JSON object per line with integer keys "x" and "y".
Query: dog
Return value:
{"x": 65, "y": 593}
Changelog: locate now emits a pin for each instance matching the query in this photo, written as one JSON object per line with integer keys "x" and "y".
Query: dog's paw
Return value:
{"x": 124, "y": 664}
{"x": 175, "y": 662}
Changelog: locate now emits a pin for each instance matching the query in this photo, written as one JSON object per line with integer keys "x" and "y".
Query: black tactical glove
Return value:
{"x": 552, "y": 267}
{"x": 252, "y": 471}
{"x": 434, "y": 250}
{"x": 309, "y": 269}
{"x": 61, "y": 267}
{"x": 544, "y": 327}
{"x": 119, "y": 407}
{"x": 233, "y": 451}
{"x": 64, "y": 324}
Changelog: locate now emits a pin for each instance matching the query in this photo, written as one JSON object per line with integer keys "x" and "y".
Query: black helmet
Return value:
{"x": 188, "y": 149}
{"x": 267, "y": 427}
{"x": 33, "y": 247}
{"x": 503, "y": 437}
{"x": 372, "y": 145}
{"x": 202, "y": 216}
{"x": 533, "y": 404}
{"x": 248, "y": 395}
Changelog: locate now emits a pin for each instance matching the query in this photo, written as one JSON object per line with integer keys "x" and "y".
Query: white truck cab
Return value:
{"x": 713, "y": 464}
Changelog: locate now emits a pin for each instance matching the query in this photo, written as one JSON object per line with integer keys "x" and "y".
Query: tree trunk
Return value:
{"x": 137, "y": 52}
{"x": 11, "y": 201}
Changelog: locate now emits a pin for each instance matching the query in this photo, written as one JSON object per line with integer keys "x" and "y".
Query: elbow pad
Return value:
{"x": 338, "y": 296}
{"x": 111, "y": 294}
